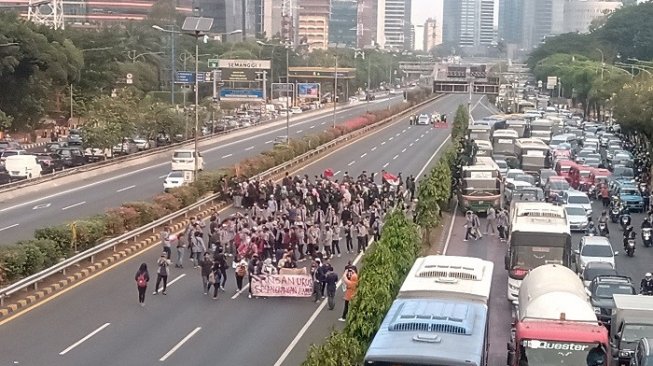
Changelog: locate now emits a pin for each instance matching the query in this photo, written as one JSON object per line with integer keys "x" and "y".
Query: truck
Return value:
{"x": 632, "y": 320}
{"x": 554, "y": 322}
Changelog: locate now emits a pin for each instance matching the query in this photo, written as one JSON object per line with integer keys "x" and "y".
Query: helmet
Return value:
{"x": 591, "y": 224}
{"x": 648, "y": 275}
{"x": 605, "y": 212}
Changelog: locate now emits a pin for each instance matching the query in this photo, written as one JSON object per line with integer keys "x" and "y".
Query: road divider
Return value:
{"x": 144, "y": 236}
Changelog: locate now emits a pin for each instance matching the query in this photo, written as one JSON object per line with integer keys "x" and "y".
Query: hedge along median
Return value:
{"x": 52, "y": 243}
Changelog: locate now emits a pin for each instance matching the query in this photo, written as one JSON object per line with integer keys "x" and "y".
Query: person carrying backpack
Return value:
{"x": 142, "y": 278}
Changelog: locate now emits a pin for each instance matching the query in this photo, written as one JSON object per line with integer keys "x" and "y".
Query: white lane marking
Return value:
{"x": 390, "y": 139}
{"x": 411, "y": 144}
{"x": 396, "y": 156}
{"x": 417, "y": 139}
{"x": 74, "y": 345}
{"x": 300, "y": 131}
{"x": 336, "y": 173}
{"x": 312, "y": 127}
{"x": 181, "y": 343}
{"x": 453, "y": 221}
{"x": 163, "y": 176}
{"x": 374, "y": 148}
{"x": 383, "y": 143}
{"x": 125, "y": 189}
{"x": 398, "y": 134}
{"x": 351, "y": 163}
{"x": 404, "y": 150}
{"x": 240, "y": 292}
{"x": 385, "y": 165}
{"x": 364, "y": 155}
{"x": 173, "y": 281}
{"x": 9, "y": 227}
{"x": 310, "y": 321}
{"x": 43, "y": 205}
{"x": 74, "y": 205}
{"x": 249, "y": 148}
{"x": 403, "y": 130}
{"x": 269, "y": 142}
{"x": 422, "y": 135}
{"x": 323, "y": 123}
{"x": 427, "y": 131}
{"x": 227, "y": 156}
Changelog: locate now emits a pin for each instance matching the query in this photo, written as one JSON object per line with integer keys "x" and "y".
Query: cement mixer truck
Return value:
{"x": 555, "y": 323}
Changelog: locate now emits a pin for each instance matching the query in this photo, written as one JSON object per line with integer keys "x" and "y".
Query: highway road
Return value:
{"x": 99, "y": 321}
{"x": 19, "y": 217}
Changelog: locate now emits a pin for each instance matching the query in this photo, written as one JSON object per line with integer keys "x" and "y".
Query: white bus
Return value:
{"x": 539, "y": 235}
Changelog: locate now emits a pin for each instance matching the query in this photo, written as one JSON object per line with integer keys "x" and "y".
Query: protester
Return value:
{"x": 350, "y": 279}
{"x": 331, "y": 280}
{"x": 165, "y": 241}
{"x": 206, "y": 265}
{"x": 162, "y": 273}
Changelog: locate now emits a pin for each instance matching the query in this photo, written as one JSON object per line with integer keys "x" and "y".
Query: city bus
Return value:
{"x": 440, "y": 316}
{"x": 538, "y": 235}
{"x": 542, "y": 128}
{"x": 482, "y": 185}
{"x": 533, "y": 155}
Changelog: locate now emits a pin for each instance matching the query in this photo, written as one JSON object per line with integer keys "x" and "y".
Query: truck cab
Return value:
{"x": 632, "y": 320}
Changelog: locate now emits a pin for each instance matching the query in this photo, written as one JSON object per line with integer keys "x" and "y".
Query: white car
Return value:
{"x": 423, "y": 119}
{"x": 511, "y": 174}
{"x": 577, "y": 218}
{"x": 577, "y": 199}
{"x": 296, "y": 110}
{"x": 174, "y": 179}
{"x": 593, "y": 249}
{"x": 142, "y": 144}
{"x": 503, "y": 166}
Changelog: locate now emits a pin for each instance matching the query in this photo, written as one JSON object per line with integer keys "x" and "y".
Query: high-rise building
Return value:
{"x": 366, "y": 31}
{"x": 314, "y": 23}
{"x": 343, "y": 24}
{"x": 229, "y": 16}
{"x": 430, "y": 34}
{"x": 281, "y": 19}
{"x": 511, "y": 15}
{"x": 579, "y": 15}
{"x": 471, "y": 22}
{"x": 393, "y": 24}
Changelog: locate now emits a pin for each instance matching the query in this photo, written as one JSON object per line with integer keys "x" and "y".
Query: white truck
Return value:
{"x": 185, "y": 160}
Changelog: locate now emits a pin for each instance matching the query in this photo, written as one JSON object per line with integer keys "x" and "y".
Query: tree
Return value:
{"x": 5, "y": 121}
{"x": 111, "y": 119}
{"x": 568, "y": 43}
{"x": 628, "y": 32}
{"x": 632, "y": 106}
{"x": 158, "y": 118}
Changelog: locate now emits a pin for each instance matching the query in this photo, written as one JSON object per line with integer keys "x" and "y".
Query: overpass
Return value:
{"x": 457, "y": 79}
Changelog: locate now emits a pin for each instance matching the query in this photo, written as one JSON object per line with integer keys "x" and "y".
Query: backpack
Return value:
{"x": 212, "y": 278}
{"x": 141, "y": 281}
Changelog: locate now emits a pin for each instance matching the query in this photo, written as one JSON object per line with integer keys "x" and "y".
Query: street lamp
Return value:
{"x": 173, "y": 63}
{"x": 335, "y": 90}
{"x": 287, "y": 47}
{"x": 137, "y": 56}
{"x": 602, "y": 61}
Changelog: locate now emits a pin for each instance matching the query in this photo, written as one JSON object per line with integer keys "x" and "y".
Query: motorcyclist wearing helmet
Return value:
{"x": 591, "y": 229}
{"x": 603, "y": 219}
{"x": 628, "y": 234}
{"x": 646, "y": 286}
{"x": 646, "y": 224}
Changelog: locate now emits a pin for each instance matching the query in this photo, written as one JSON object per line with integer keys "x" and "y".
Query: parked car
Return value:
{"x": 11, "y": 152}
{"x": 75, "y": 137}
{"x": 9, "y": 145}
{"x": 51, "y": 147}
{"x": 296, "y": 110}
{"x": 5, "y": 178}
{"x": 142, "y": 143}
{"x": 50, "y": 162}
{"x": 23, "y": 167}
{"x": 128, "y": 146}
{"x": 71, "y": 156}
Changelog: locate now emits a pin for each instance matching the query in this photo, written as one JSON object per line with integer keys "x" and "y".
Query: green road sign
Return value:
{"x": 213, "y": 63}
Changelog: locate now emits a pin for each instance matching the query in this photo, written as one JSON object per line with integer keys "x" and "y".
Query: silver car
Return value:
{"x": 577, "y": 199}
{"x": 593, "y": 249}
{"x": 577, "y": 218}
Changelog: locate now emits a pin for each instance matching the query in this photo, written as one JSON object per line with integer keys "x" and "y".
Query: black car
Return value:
{"x": 71, "y": 156}
{"x": 601, "y": 290}
{"x": 75, "y": 137}
{"x": 51, "y": 147}
{"x": 5, "y": 178}
{"x": 50, "y": 162}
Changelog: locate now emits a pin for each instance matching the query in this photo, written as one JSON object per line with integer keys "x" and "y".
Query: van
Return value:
{"x": 23, "y": 166}
{"x": 185, "y": 160}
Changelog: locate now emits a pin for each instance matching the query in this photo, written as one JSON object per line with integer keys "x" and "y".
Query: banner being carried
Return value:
{"x": 282, "y": 285}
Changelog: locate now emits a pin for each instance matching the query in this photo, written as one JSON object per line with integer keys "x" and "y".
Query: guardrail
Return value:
{"x": 95, "y": 165}
{"x": 152, "y": 227}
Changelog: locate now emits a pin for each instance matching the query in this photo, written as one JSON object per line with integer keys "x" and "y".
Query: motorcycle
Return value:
{"x": 630, "y": 247}
{"x": 624, "y": 220}
{"x": 603, "y": 229}
{"x": 614, "y": 214}
{"x": 646, "y": 292}
{"x": 646, "y": 237}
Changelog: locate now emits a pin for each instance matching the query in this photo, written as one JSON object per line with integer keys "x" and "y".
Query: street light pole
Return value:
{"x": 173, "y": 66}
{"x": 197, "y": 102}
{"x": 335, "y": 91}
{"x": 602, "y": 61}
{"x": 287, "y": 96}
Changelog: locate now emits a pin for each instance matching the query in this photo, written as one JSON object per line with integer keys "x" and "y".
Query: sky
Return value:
{"x": 422, "y": 10}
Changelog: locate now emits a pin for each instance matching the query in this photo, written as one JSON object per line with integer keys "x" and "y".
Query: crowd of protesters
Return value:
{"x": 280, "y": 225}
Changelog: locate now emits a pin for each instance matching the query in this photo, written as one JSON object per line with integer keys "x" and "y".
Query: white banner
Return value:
{"x": 244, "y": 64}
{"x": 282, "y": 285}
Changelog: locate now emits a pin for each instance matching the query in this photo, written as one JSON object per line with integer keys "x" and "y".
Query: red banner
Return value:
{"x": 282, "y": 285}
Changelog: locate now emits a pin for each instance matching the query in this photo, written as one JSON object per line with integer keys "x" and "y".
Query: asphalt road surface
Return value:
{"x": 59, "y": 204}
{"x": 99, "y": 321}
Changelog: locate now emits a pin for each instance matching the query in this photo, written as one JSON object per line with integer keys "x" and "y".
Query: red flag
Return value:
{"x": 391, "y": 179}
{"x": 328, "y": 173}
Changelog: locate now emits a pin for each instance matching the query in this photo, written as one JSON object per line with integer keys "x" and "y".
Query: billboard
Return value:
{"x": 308, "y": 90}
{"x": 240, "y": 94}
{"x": 244, "y": 64}
{"x": 551, "y": 82}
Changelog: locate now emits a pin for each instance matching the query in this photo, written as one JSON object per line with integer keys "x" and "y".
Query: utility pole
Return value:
{"x": 335, "y": 91}
{"x": 173, "y": 65}
{"x": 287, "y": 96}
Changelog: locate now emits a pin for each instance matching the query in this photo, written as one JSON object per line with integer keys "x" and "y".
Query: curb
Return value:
{"x": 31, "y": 146}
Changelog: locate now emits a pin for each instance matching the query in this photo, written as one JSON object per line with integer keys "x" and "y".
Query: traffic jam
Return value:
{"x": 575, "y": 196}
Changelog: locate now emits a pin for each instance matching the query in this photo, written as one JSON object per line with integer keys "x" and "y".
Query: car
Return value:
{"x": 525, "y": 178}
{"x": 5, "y": 177}
{"x": 593, "y": 249}
{"x": 595, "y": 269}
{"x": 622, "y": 172}
{"x": 512, "y": 173}
{"x": 71, "y": 156}
{"x": 50, "y": 162}
{"x": 527, "y": 194}
{"x": 503, "y": 166}
{"x": 512, "y": 188}
{"x": 643, "y": 355}
{"x": 630, "y": 195}
{"x": 296, "y": 110}
{"x": 142, "y": 143}
{"x": 9, "y": 145}
{"x": 128, "y": 146}
{"x": 601, "y": 289}
{"x": 577, "y": 218}
{"x": 51, "y": 147}
{"x": 280, "y": 140}
{"x": 75, "y": 137}
{"x": 174, "y": 179}
{"x": 578, "y": 199}
{"x": 544, "y": 176}
{"x": 423, "y": 119}
{"x": 11, "y": 152}
{"x": 554, "y": 188}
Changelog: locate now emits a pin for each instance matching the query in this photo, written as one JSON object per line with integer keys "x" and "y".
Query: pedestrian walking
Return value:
{"x": 206, "y": 265}
{"x": 197, "y": 247}
{"x": 220, "y": 262}
{"x": 253, "y": 269}
{"x": 350, "y": 279}
{"x": 476, "y": 224}
{"x": 165, "y": 241}
{"x": 331, "y": 279}
{"x": 502, "y": 224}
{"x": 142, "y": 278}
{"x": 469, "y": 226}
{"x": 240, "y": 273}
{"x": 335, "y": 244}
{"x": 162, "y": 273}
{"x": 490, "y": 225}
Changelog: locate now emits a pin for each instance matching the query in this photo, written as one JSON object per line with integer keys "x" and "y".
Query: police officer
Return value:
{"x": 646, "y": 286}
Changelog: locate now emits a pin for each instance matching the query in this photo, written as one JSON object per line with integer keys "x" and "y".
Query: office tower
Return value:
{"x": 430, "y": 34}
{"x": 343, "y": 24}
{"x": 393, "y": 24}
{"x": 469, "y": 23}
{"x": 314, "y": 23}
{"x": 280, "y": 19}
{"x": 366, "y": 31}
{"x": 511, "y": 15}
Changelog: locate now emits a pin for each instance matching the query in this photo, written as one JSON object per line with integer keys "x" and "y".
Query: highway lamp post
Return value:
{"x": 287, "y": 47}
{"x": 335, "y": 89}
{"x": 173, "y": 62}
{"x": 602, "y": 61}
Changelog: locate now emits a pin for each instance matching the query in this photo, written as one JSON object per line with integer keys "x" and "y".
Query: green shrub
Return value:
{"x": 168, "y": 202}
{"x": 34, "y": 258}
{"x": 338, "y": 350}
{"x": 120, "y": 220}
{"x": 186, "y": 195}
{"x": 147, "y": 211}
{"x": 88, "y": 233}
{"x": 12, "y": 260}
{"x": 62, "y": 235}
{"x": 50, "y": 251}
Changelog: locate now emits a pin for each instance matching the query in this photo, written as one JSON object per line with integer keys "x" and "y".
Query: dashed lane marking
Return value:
{"x": 374, "y": 148}
{"x": 9, "y": 227}
{"x": 226, "y": 156}
{"x": 312, "y": 127}
{"x": 269, "y": 142}
{"x": 383, "y": 143}
{"x": 395, "y": 157}
{"x": 74, "y": 205}
{"x": 86, "y": 338}
{"x": 404, "y": 150}
{"x": 364, "y": 155}
{"x": 181, "y": 343}
{"x": 411, "y": 144}
{"x": 125, "y": 189}
{"x": 351, "y": 163}
{"x": 300, "y": 131}
{"x": 43, "y": 205}
{"x": 385, "y": 165}
{"x": 249, "y": 148}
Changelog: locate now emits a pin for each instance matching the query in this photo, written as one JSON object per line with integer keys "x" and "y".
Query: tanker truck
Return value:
{"x": 554, "y": 322}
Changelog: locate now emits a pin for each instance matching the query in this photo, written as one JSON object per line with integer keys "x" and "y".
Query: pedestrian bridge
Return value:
{"x": 462, "y": 87}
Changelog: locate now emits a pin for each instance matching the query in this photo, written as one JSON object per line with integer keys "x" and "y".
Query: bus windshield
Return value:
{"x": 529, "y": 257}
{"x": 553, "y": 353}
